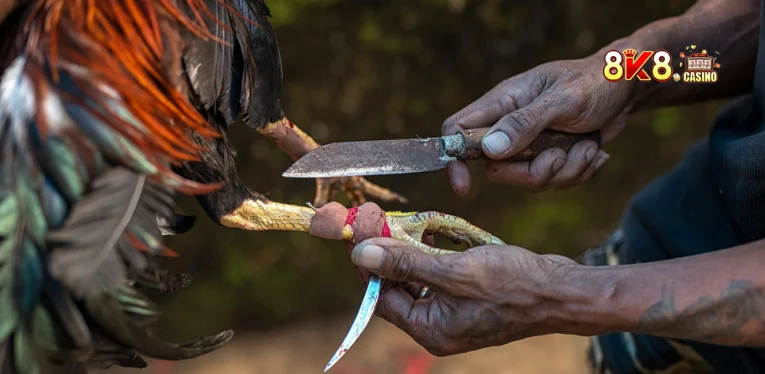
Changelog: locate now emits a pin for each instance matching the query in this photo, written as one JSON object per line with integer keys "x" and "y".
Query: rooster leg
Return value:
{"x": 290, "y": 139}
{"x": 236, "y": 206}
{"x": 259, "y": 214}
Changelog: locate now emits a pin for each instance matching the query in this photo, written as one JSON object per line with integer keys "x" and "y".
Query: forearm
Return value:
{"x": 729, "y": 27}
{"x": 716, "y": 298}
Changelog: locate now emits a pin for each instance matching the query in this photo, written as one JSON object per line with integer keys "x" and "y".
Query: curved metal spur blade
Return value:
{"x": 366, "y": 311}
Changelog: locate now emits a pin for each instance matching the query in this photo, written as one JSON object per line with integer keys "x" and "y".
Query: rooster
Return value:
{"x": 108, "y": 109}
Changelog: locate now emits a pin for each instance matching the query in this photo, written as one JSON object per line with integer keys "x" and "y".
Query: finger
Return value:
{"x": 515, "y": 131}
{"x": 413, "y": 289}
{"x": 459, "y": 177}
{"x": 483, "y": 112}
{"x": 600, "y": 160}
{"x": 398, "y": 261}
{"x": 534, "y": 175}
{"x": 581, "y": 156}
{"x": 404, "y": 311}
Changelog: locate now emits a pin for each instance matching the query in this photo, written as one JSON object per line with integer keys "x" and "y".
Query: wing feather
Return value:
{"x": 243, "y": 75}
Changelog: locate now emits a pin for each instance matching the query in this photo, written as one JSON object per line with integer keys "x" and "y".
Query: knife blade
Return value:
{"x": 405, "y": 156}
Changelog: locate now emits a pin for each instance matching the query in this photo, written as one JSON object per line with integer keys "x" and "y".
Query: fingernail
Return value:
{"x": 590, "y": 154}
{"x": 602, "y": 160}
{"x": 368, "y": 256}
{"x": 558, "y": 164}
{"x": 497, "y": 143}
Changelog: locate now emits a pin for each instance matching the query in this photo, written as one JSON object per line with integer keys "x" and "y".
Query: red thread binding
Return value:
{"x": 351, "y": 218}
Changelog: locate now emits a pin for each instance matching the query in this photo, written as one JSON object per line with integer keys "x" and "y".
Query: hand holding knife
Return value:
{"x": 404, "y": 156}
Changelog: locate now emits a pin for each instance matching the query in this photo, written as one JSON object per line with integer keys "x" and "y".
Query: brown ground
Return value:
{"x": 382, "y": 349}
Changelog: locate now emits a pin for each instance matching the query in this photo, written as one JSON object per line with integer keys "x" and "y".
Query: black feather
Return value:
{"x": 244, "y": 76}
{"x": 260, "y": 101}
{"x": 180, "y": 225}
{"x": 83, "y": 256}
{"x": 91, "y": 249}
{"x": 131, "y": 329}
{"x": 69, "y": 315}
{"x": 109, "y": 353}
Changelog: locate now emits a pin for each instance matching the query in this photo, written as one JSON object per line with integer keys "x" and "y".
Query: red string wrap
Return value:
{"x": 350, "y": 219}
{"x": 367, "y": 221}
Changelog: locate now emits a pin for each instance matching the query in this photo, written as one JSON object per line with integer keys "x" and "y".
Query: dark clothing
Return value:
{"x": 714, "y": 199}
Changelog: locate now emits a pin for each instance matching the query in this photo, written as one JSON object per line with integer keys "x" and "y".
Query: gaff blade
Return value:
{"x": 366, "y": 311}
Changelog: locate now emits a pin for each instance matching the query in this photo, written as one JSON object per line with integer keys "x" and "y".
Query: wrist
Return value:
{"x": 637, "y": 91}
{"x": 585, "y": 301}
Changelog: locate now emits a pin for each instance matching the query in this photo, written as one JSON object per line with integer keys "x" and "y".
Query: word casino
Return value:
{"x": 699, "y": 68}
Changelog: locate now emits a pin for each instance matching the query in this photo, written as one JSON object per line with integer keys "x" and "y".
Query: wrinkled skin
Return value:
{"x": 485, "y": 296}
{"x": 569, "y": 96}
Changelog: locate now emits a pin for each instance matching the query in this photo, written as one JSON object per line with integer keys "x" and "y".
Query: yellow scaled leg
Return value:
{"x": 260, "y": 214}
{"x": 290, "y": 139}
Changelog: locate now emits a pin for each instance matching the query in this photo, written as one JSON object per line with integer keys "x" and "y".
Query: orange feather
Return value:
{"x": 133, "y": 47}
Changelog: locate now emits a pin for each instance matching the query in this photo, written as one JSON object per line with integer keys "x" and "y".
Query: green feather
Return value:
{"x": 9, "y": 214}
{"x": 147, "y": 238}
{"x": 68, "y": 169}
{"x": 33, "y": 214}
{"x": 10, "y": 317}
{"x": 135, "y": 158}
{"x": 46, "y": 334}
{"x": 25, "y": 357}
{"x": 54, "y": 206}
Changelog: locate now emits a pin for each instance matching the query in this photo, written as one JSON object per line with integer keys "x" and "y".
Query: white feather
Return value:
{"x": 17, "y": 99}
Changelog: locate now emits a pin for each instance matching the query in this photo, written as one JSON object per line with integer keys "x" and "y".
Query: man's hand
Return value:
{"x": 493, "y": 295}
{"x": 486, "y": 296}
{"x": 571, "y": 96}
{"x": 574, "y": 96}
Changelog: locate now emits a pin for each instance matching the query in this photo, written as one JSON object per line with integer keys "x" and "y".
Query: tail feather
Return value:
{"x": 129, "y": 328}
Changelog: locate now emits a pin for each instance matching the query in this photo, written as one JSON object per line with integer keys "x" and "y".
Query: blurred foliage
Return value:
{"x": 385, "y": 69}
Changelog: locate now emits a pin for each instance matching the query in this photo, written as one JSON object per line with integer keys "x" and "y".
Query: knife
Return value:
{"x": 404, "y": 156}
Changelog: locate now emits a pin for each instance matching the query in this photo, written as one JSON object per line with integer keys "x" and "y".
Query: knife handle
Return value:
{"x": 546, "y": 140}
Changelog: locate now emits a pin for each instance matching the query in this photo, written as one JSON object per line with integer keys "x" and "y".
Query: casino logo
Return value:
{"x": 700, "y": 67}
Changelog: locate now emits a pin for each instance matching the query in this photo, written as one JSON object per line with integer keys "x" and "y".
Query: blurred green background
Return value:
{"x": 360, "y": 70}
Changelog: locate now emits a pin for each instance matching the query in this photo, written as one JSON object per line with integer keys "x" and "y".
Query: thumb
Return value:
{"x": 515, "y": 131}
{"x": 395, "y": 260}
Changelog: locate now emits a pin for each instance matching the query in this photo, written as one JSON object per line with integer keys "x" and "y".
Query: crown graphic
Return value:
{"x": 630, "y": 52}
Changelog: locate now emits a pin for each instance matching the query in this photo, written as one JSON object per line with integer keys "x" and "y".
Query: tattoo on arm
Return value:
{"x": 736, "y": 317}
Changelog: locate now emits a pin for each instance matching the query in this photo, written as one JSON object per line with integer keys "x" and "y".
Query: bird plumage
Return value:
{"x": 94, "y": 115}
{"x": 108, "y": 108}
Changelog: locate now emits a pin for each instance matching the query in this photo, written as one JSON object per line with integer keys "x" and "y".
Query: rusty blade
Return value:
{"x": 366, "y": 311}
{"x": 378, "y": 157}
